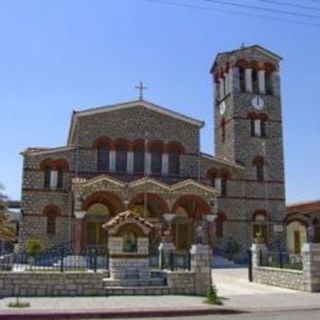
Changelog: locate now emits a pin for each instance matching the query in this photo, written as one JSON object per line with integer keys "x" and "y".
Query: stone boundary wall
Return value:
{"x": 285, "y": 278}
{"x": 181, "y": 282}
{"x": 51, "y": 284}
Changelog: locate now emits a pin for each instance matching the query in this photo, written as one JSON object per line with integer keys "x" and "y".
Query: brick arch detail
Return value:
{"x": 138, "y": 144}
{"x": 103, "y": 142}
{"x": 156, "y": 145}
{"x": 122, "y": 143}
{"x": 109, "y": 199}
{"x": 301, "y": 220}
{"x": 46, "y": 163}
{"x": 152, "y": 197}
{"x": 202, "y": 207}
{"x": 175, "y": 146}
{"x": 260, "y": 212}
{"x": 52, "y": 208}
{"x": 54, "y": 164}
{"x": 258, "y": 160}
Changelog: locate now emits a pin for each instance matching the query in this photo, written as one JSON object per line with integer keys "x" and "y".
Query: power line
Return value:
{"x": 248, "y": 6}
{"x": 253, "y": 15}
{"x": 291, "y": 5}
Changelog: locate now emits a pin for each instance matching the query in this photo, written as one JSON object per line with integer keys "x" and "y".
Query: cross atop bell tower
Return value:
{"x": 141, "y": 88}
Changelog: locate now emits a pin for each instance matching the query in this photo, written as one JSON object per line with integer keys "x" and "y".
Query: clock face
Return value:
{"x": 257, "y": 102}
{"x": 223, "y": 108}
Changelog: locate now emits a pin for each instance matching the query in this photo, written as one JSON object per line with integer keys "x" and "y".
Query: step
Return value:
{"x": 131, "y": 291}
{"x": 219, "y": 262}
{"x": 108, "y": 282}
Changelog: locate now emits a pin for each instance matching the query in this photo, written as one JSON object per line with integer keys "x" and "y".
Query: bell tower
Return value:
{"x": 248, "y": 131}
{"x": 247, "y": 108}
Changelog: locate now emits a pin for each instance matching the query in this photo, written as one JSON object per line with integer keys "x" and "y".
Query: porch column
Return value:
{"x": 262, "y": 81}
{"x": 112, "y": 160}
{"x": 130, "y": 162}
{"x": 78, "y": 230}
{"x": 248, "y": 79}
{"x": 165, "y": 164}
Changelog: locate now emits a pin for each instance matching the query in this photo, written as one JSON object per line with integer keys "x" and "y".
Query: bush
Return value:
{"x": 33, "y": 247}
{"x": 212, "y": 296}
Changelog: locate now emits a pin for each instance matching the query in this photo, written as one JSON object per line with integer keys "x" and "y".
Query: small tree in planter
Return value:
{"x": 33, "y": 248}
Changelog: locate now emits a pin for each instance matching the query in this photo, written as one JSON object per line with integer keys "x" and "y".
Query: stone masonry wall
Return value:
{"x": 51, "y": 284}
{"x": 292, "y": 279}
{"x": 181, "y": 282}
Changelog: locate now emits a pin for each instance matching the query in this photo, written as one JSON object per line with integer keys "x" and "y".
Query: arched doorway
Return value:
{"x": 150, "y": 206}
{"x": 190, "y": 210}
{"x": 99, "y": 207}
{"x": 260, "y": 230}
{"x": 296, "y": 236}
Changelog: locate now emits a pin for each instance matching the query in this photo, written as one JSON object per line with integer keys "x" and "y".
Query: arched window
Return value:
{"x": 258, "y": 162}
{"x": 242, "y": 79}
{"x": 103, "y": 158}
{"x": 223, "y": 130}
{"x": 47, "y": 177}
{"x": 103, "y": 146}
{"x": 174, "y": 151}
{"x": 225, "y": 176}
{"x": 269, "y": 88}
{"x": 156, "y": 149}
{"x": 214, "y": 179}
{"x": 260, "y": 226}
{"x": 51, "y": 212}
{"x": 138, "y": 157}
{"x": 255, "y": 82}
{"x": 121, "y": 146}
{"x": 53, "y": 173}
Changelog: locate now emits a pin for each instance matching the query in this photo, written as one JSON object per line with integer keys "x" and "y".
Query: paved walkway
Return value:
{"x": 239, "y": 293}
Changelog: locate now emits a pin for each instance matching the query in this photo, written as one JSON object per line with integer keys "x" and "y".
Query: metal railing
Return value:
{"x": 59, "y": 259}
{"x": 280, "y": 259}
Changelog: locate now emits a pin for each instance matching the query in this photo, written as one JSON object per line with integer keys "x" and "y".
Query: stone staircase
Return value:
{"x": 218, "y": 261}
{"x": 143, "y": 286}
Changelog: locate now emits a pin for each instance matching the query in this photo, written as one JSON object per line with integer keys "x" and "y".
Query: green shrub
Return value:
{"x": 212, "y": 296}
{"x": 33, "y": 247}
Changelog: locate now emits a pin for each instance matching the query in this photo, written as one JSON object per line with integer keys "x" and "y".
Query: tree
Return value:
{"x": 7, "y": 233}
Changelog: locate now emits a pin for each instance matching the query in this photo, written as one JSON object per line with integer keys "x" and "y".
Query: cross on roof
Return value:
{"x": 140, "y": 87}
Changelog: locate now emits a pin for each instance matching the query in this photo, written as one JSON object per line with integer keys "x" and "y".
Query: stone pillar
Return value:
{"x": 165, "y": 164}
{"x": 148, "y": 163}
{"x": 130, "y": 162}
{"x": 262, "y": 81}
{"x": 218, "y": 183}
{"x": 248, "y": 77}
{"x": 311, "y": 266}
{"x": 78, "y": 230}
{"x": 112, "y": 160}
{"x": 200, "y": 265}
{"x": 256, "y": 248}
{"x": 166, "y": 255}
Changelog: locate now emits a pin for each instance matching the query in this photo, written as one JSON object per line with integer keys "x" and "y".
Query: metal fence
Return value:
{"x": 55, "y": 260}
{"x": 170, "y": 260}
{"x": 280, "y": 259}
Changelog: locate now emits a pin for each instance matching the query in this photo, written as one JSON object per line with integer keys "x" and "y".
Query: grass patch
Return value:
{"x": 212, "y": 296}
{"x": 19, "y": 304}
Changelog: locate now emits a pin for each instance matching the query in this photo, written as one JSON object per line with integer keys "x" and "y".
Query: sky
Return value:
{"x": 62, "y": 55}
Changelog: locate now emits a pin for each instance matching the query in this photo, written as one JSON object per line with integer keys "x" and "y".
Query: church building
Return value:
{"x": 146, "y": 158}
